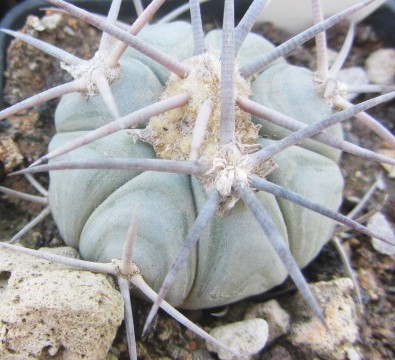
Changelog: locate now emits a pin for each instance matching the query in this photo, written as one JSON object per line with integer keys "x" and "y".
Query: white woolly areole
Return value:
{"x": 230, "y": 168}
{"x": 330, "y": 88}
{"x": 86, "y": 72}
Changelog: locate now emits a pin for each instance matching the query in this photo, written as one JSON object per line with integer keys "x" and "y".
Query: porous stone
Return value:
{"x": 52, "y": 311}
{"x": 310, "y": 335}
{"x": 277, "y": 318}
{"x": 245, "y": 337}
{"x": 10, "y": 156}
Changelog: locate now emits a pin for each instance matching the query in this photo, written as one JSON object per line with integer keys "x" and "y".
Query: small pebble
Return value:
{"x": 353, "y": 76}
{"x": 277, "y": 318}
{"x": 246, "y": 337}
{"x": 379, "y": 224}
{"x": 353, "y": 354}
{"x": 380, "y": 66}
{"x": 388, "y": 167}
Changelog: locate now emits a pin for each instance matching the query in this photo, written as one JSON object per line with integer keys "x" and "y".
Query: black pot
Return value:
{"x": 382, "y": 19}
{"x": 16, "y": 17}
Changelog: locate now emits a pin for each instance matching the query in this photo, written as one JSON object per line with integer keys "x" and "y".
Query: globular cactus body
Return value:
{"x": 232, "y": 180}
{"x": 234, "y": 259}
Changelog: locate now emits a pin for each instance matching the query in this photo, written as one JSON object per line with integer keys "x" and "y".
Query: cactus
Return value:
{"x": 229, "y": 152}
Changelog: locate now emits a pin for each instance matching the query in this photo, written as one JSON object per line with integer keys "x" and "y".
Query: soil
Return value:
{"x": 28, "y": 134}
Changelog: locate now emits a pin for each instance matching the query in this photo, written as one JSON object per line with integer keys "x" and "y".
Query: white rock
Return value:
{"x": 311, "y": 336}
{"x": 352, "y": 76}
{"x": 353, "y": 354}
{"x": 379, "y": 224}
{"x": 48, "y": 309}
{"x": 245, "y": 337}
{"x": 380, "y": 66}
{"x": 277, "y": 318}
